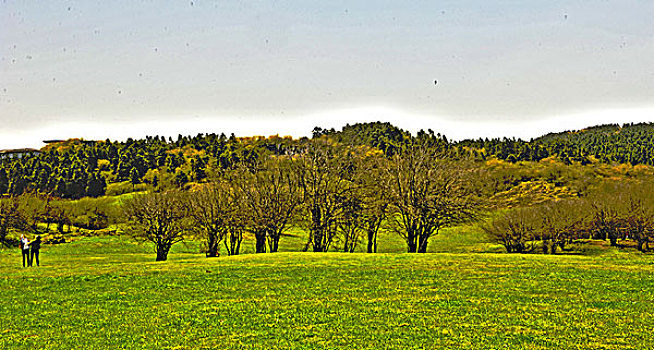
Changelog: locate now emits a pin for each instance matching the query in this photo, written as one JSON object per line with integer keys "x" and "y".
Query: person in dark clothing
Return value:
{"x": 25, "y": 249}
{"x": 35, "y": 246}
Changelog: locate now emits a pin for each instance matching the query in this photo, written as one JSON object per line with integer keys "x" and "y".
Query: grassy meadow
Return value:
{"x": 108, "y": 293}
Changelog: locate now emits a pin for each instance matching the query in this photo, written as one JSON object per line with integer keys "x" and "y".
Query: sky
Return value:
{"x": 464, "y": 68}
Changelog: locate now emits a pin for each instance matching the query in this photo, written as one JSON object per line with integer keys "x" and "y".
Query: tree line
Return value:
{"x": 616, "y": 212}
{"x": 340, "y": 194}
{"x": 341, "y": 187}
{"x": 76, "y": 169}
{"x": 611, "y": 143}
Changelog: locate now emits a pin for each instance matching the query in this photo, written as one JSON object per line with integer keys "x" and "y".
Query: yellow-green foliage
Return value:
{"x": 532, "y": 192}
{"x": 119, "y": 188}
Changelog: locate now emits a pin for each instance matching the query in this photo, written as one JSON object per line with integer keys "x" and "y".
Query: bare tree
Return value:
{"x": 374, "y": 213}
{"x": 605, "y": 221}
{"x": 32, "y": 210}
{"x": 157, "y": 218}
{"x": 636, "y": 212}
{"x": 234, "y": 220}
{"x": 363, "y": 205}
{"x": 216, "y": 212}
{"x": 324, "y": 179}
{"x": 271, "y": 196}
{"x": 351, "y": 223}
{"x": 375, "y": 202}
{"x": 427, "y": 192}
{"x": 61, "y": 214}
{"x": 562, "y": 221}
{"x": 639, "y": 221}
{"x": 514, "y": 229}
{"x": 208, "y": 210}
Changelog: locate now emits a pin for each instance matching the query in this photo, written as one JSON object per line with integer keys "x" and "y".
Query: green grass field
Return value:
{"x": 108, "y": 293}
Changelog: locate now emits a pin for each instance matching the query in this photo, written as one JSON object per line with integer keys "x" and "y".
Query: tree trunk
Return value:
{"x": 370, "y": 244}
{"x": 260, "y": 241}
{"x": 162, "y": 253}
{"x": 233, "y": 241}
{"x": 212, "y": 247}
{"x": 423, "y": 246}
{"x": 318, "y": 242}
{"x": 372, "y": 241}
{"x": 614, "y": 241}
{"x": 411, "y": 241}
{"x": 308, "y": 244}
{"x": 423, "y": 241}
{"x": 274, "y": 246}
{"x": 237, "y": 251}
{"x": 411, "y": 245}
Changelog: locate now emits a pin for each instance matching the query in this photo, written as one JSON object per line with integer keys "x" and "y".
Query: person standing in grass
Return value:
{"x": 25, "y": 249}
{"x": 35, "y": 246}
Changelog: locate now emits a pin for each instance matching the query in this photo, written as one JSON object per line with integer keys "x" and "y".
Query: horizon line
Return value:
{"x": 302, "y": 126}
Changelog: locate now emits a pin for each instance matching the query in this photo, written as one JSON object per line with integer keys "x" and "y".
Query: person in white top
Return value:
{"x": 25, "y": 249}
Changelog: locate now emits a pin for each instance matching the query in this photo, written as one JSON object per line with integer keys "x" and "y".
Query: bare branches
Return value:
{"x": 216, "y": 211}
{"x": 427, "y": 192}
{"x": 157, "y": 218}
{"x": 271, "y": 196}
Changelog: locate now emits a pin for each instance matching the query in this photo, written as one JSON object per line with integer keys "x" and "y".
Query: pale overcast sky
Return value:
{"x": 98, "y": 69}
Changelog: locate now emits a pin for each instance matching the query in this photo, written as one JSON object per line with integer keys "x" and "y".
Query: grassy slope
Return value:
{"x": 106, "y": 292}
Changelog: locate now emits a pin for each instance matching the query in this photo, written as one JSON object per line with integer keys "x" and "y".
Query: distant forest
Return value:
{"x": 74, "y": 169}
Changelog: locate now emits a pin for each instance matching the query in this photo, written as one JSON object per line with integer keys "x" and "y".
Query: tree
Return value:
{"x": 361, "y": 208}
{"x": 605, "y": 221}
{"x": 513, "y": 229}
{"x": 639, "y": 221}
{"x": 61, "y": 214}
{"x": 157, "y": 218}
{"x": 96, "y": 186}
{"x": 374, "y": 213}
{"x": 271, "y": 196}
{"x": 4, "y": 181}
{"x": 180, "y": 178}
{"x": 198, "y": 168}
{"x": 427, "y": 192}
{"x": 636, "y": 212}
{"x": 32, "y": 212}
{"x": 211, "y": 210}
{"x": 323, "y": 181}
{"x": 351, "y": 223}
{"x": 9, "y": 217}
{"x": 373, "y": 201}
{"x": 134, "y": 177}
{"x": 561, "y": 222}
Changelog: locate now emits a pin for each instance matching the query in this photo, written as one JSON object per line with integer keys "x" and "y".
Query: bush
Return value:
{"x": 616, "y": 212}
{"x": 94, "y": 213}
{"x": 514, "y": 230}
{"x": 119, "y": 188}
